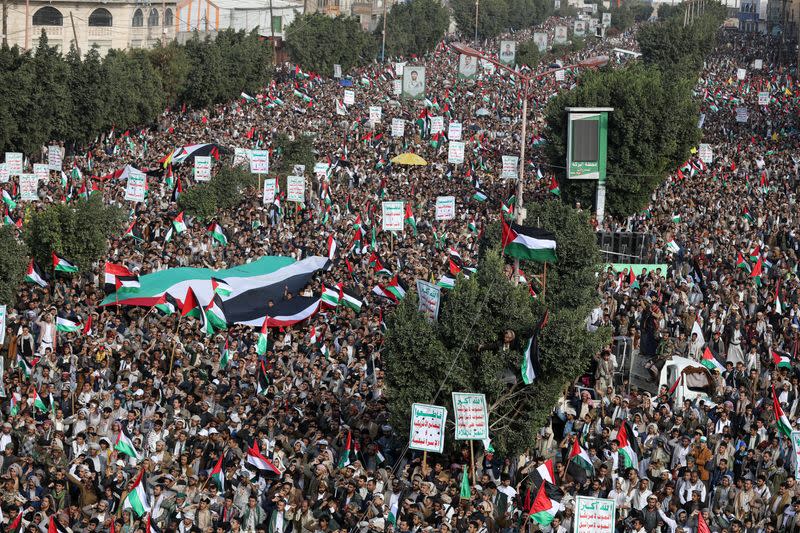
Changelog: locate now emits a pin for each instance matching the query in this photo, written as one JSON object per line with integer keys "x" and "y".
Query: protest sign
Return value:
{"x": 398, "y": 68}
{"x": 392, "y": 215}
{"x": 455, "y": 152}
{"x": 397, "y": 87}
{"x": 763, "y": 98}
{"x": 270, "y": 185}
{"x": 298, "y": 170}
{"x": 742, "y": 114}
{"x": 28, "y": 187}
{"x": 540, "y": 40}
{"x": 429, "y": 298}
{"x": 375, "y": 114}
{"x": 414, "y": 82}
{"x": 758, "y": 64}
{"x": 445, "y": 207}
{"x": 241, "y": 156}
{"x": 454, "y": 131}
{"x": 398, "y": 127}
{"x": 705, "y": 153}
{"x": 471, "y": 416}
{"x": 321, "y": 168}
{"x": 740, "y": 73}
{"x": 349, "y": 97}
{"x": 427, "y": 428}
{"x": 560, "y": 36}
{"x": 296, "y": 189}
{"x": 4, "y": 177}
{"x": 2, "y": 324}
{"x": 510, "y": 167}
{"x": 796, "y": 446}
{"x": 259, "y": 161}
{"x": 606, "y": 20}
{"x": 337, "y": 71}
{"x": 136, "y": 186}
{"x": 54, "y": 157}
{"x": 594, "y": 515}
{"x": 437, "y": 125}
{"x": 467, "y": 67}
{"x": 508, "y": 52}
{"x": 41, "y": 171}
{"x": 14, "y": 162}
{"x": 202, "y": 168}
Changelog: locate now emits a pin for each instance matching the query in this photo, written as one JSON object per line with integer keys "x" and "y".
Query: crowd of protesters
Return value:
{"x": 163, "y": 383}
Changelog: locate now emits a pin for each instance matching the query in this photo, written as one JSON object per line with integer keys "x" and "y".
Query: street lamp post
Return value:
{"x": 476, "y": 21}
{"x": 592, "y": 62}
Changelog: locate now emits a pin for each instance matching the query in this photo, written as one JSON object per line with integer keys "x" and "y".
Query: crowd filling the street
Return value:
{"x": 147, "y": 415}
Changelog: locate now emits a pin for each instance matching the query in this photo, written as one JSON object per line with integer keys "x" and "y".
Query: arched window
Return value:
{"x": 138, "y": 19}
{"x": 48, "y": 16}
{"x": 100, "y": 17}
{"x": 168, "y": 17}
{"x": 152, "y": 20}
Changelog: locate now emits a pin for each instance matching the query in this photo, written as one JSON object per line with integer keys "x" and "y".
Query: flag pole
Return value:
{"x": 472, "y": 461}
{"x": 544, "y": 282}
{"x": 174, "y": 345}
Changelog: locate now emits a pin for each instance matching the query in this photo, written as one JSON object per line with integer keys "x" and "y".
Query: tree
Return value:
{"x": 79, "y": 231}
{"x": 299, "y": 151}
{"x": 426, "y": 362}
{"x": 317, "y": 42}
{"x": 172, "y": 65}
{"x": 86, "y": 86}
{"x": 651, "y": 130}
{"x": 492, "y": 17}
{"x": 13, "y": 262}
{"x": 414, "y": 27}
{"x": 224, "y": 191}
{"x": 528, "y": 54}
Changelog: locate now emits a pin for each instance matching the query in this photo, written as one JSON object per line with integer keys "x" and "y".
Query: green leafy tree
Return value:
{"x": 528, "y": 54}
{"x": 224, "y": 191}
{"x": 288, "y": 153}
{"x": 523, "y": 14}
{"x": 414, "y": 27}
{"x": 79, "y": 231}
{"x": 171, "y": 63}
{"x": 492, "y": 17}
{"x": 206, "y": 78}
{"x": 86, "y": 85}
{"x": 15, "y": 85}
{"x": 13, "y": 263}
{"x": 462, "y": 352}
{"x": 246, "y": 61}
{"x": 317, "y": 42}
{"x": 651, "y": 130}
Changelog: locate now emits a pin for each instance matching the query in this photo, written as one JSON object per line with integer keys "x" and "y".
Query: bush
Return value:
{"x": 317, "y": 42}
{"x": 13, "y": 264}
{"x": 224, "y": 191}
{"x": 413, "y": 27}
{"x": 78, "y": 231}
{"x": 472, "y": 321}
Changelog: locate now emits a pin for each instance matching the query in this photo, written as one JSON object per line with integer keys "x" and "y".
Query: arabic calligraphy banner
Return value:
{"x": 472, "y": 418}
{"x": 427, "y": 427}
{"x": 594, "y": 515}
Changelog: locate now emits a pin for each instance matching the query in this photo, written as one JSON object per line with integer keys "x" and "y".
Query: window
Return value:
{"x": 100, "y": 17}
{"x": 277, "y": 24}
{"x": 168, "y": 17}
{"x": 138, "y": 19}
{"x": 152, "y": 20}
{"x": 48, "y": 16}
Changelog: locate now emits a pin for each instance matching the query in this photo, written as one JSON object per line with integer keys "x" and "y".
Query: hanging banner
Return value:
{"x": 136, "y": 186}
{"x": 41, "y": 171}
{"x": 14, "y": 162}
{"x": 270, "y": 186}
{"x": 54, "y": 157}
{"x": 337, "y": 71}
{"x": 510, "y": 167}
{"x": 398, "y": 127}
{"x": 467, "y": 67}
{"x": 259, "y": 161}
{"x": 455, "y": 152}
{"x": 437, "y": 125}
{"x": 471, "y": 416}
{"x": 594, "y": 515}
{"x": 454, "y": 131}
{"x": 445, "y": 207}
{"x": 540, "y": 40}
{"x": 427, "y": 428}
{"x": 392, "y": 216}
{"x": 202, "y": 168}
{"x": 429, "y": 298}
{"x": 579, "y": 28}
{"x": 349, "y": 97}
{"x": 296, "y": 189}
{"x": 414, "y": 82}
{"x": 705, "y": 153}
{"x": 375, "y": 114}
{"x": 763, "y": 98}
{"x": 4, "y": 177}
{"x": 560, "y": 36}
{"x": 508, "y": 51}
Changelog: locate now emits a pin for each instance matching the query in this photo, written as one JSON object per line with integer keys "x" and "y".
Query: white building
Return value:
{"x": 209, "y": 16}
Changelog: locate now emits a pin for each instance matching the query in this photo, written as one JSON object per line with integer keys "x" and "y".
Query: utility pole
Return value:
{"x": 476, "y": 22}
{"x": 383, "y": 36}
{"x": 27, "y": 25}
{"x": 5, "y": 22}
{"x": 272, "y": 33}
{"x": 75, "y": 34}
{"x": 163, "y": 21}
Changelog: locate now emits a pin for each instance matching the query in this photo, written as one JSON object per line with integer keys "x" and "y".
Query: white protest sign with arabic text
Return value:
{"x": 454, "y": 131}
{"x": 472, "y": 418}
{"x": 445, "y": 207}
{"x": 269, "y": 191}
{"x": 392, "y": 216}
{"x": 510, "y": 167}
{"x": 296, "y": 189}
{"x": 135, "y": 188}
{"x": 14, "y": 162}
{"x": 54, "y": 157}
{"x": 427, "y": 428}
{"x": 28, "y": 187}
{"x": 202, "y": 168}
{"x": 455, "y": 152}
{"x": 430, "y": 297}
{"x": 259, "y": 161}
{"x": 398, "y": 127}
{"x": 594, "y": 515}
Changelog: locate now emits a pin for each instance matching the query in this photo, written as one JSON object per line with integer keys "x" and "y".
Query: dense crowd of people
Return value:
{"x": 158, "y": 380}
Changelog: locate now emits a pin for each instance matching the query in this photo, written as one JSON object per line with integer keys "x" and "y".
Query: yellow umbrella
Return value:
{"x": 408, "y": 159}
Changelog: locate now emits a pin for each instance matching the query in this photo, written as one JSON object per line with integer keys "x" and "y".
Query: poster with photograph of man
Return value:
{"x": 414, "y": 82}
{"x": 508, "y": 52}
{"x": 467, "y": 67}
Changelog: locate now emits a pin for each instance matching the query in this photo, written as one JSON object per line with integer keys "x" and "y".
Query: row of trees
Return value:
{"x": 45, "y": 96}
{"x": 498, "y": 16}
{"x": 654, "y": 123}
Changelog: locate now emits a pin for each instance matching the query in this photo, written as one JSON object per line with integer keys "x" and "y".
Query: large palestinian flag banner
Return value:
{"x": 250, "y": 287}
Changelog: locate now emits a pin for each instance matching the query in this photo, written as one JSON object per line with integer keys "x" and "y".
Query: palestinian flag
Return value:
{"x": 226, "y": 357}
{"x": 129, "y": 232}
{"x": 38, "y": 402}
{"x": 344, "y": 460}
{"x": 61, "y": 264}
{"x": 124, "y": 444}
{"x": 14, "y": 407}
{"x": 221, "y": 287}
{"x": 627, "y": 447}
{"x": 446, "y": 282}
{"x": 526, "y": 242}
{"x": 34, "y": 275}
{"x": 674, "y": 387}
{"x": 112, "y": 271}
{"x": 741, "y": 263}
{"x": 25, "y": 366}
{"x": 746, "y": 215}
{"x": 263, "y": 379}
{"x": 580, "y": 457}
{"x": 56, "y": 527}
{"x": 218, "y": 475}
{"x": 149, "y": 526}
{"x": 554, "y": 188}
{"x": 702, "y": 526}
{"x": 756, "y": 273}
{"x": 217, "y": 233}
{"x": 676, "y": 218}
{"x": 377, "y": 265}
{"x": 16, "y": 525}
{"x": 289, "y": 312}
{"x": 263, "y": 339}
{"x": 531, "y": 364}
{"x": 87, "y": 328}
{"x": 178, "y": 224}
{"x": 177, "y": 191}
{"x": 544, "y": 472}
{"x": 471, "y": 226}
{"x": 255, "y": 458}
{"x": 466, "y": 493}
{"x": 781, "y": 361}
{"x": 673, "y": 247}
{"x": 127, "y": 282}
{"x": 755, "y": 253}
{"x": 778, "y": 306}
{"x": 409, "y": 218}
{"x": 137, "y": 497}
{"x": 213, "y": 317}
{"x": 331, "y": 296}
{"x": 9, "y": 201}
{"x": 247, "y": 98}
{"x": 331, "y": 247}
{"x": 189, "y": 303}
{"x": 710, "y": 362}
{"x": 167, "y": 305}
{"x": 397, "y": 288}
{"x": 351, "y": 298}
{"x": 543, "y": 509}
{"x": 784, "y": 426}
{"x": 66, "y": 325}
{"x": 480, "y": 196}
